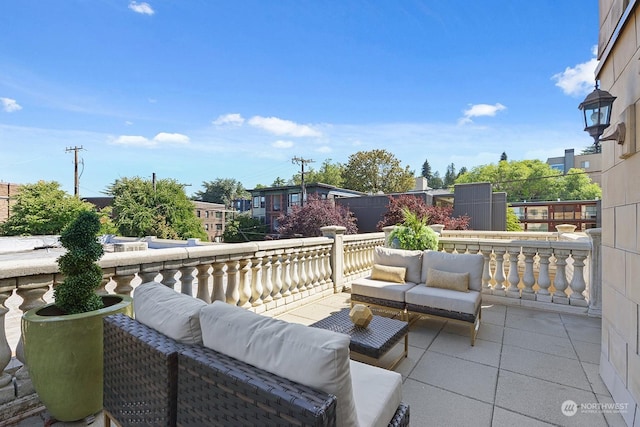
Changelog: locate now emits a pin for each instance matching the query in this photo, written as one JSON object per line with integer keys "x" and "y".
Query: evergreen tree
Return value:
{"x": 450, "y": 176}
{"x": 426, "y": 170}
{"x": 503, "y": 156}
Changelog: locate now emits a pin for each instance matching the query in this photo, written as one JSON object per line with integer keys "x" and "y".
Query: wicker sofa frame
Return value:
{"x": 149, "y": 379}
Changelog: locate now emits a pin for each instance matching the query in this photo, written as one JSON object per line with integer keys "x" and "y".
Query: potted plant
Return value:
{"x": 63, "y": 340}
{"x": 413, "y": 233}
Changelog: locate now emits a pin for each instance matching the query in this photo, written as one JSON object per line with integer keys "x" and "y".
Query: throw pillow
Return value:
{"x": 388, "y": 273}
{"x": 446, "y": 280}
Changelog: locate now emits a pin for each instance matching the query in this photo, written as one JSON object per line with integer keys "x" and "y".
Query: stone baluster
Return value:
{"x": 106, "y": 278}
{"x": 149, "y": 272}
{"x": 256, "y": 281}
{"x": 123, "y": 277}
{"x": 31, "y": 289}
{"x": 203, "y": 282}
{"x": 317, "y": 273}
{"x": 245, "y": 283}
{"x": 486, "y": 269}
{"x": 302, "y": 270}
{"x": 295, "y": 279}
{"x": 513, "y": 277}
{"x": 276, "y": 272}
{"x": 544, "y": 279}
{"x": 218, "y": 282}
{"x": 232, "y": 294}
{"x": 186, "y": 279}
{"x": 578, "y": 284}
{"x": 499, "y": 276}
{"x": 348, "y": 259}
{"x": 312, "y": 279}
{"x": 528, "y": 278}
{"x": 358, "y": 262}
{"x": 267, "y": 279}
{"x": 327, "y": 267}
{"x": 169, "y": 275}
{"x": 322, "y": 274}
{"x": 286, "y": 272}
{"x": 560, "y": 279}
{"x": 6, "y": 385}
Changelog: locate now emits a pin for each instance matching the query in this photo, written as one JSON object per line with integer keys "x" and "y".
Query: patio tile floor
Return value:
{"x": 524, "y": 365}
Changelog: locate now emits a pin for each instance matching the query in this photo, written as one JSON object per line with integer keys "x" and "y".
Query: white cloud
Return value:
{"x": 324, "y": 149}
{"x": 278, "y": 126}
{"x": 133, "y": 140}
{"x": 480, "y": 110}
{"x": 171, "y": 138}
{"x": 10, "y": 105}
{"x": 143, "y": 8}
{"x": 282, "y": 144}
{"x": 233, "y": 119}
{"x": 578, "y": 80}
{"x": 160, "y": 138}
{"x": 128, "y": 123}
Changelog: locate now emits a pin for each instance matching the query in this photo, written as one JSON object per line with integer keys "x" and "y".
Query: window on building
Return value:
{"x": 198, "y": 213}
{"x": 558, "y": 166}
{"x": 294, "y": 199}
{"x": 585, "y": 164}
{"x": 206, "y": 214}
{"x": 206, "y": 227}
{"x": 258, "y": 202}
{"x": 218, "y": 214}
{"x": 219, "y": 227}
{"x": 275, "y": 200}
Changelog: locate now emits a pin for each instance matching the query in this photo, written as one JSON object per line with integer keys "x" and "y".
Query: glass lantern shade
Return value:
{"x": 597, "y": 112}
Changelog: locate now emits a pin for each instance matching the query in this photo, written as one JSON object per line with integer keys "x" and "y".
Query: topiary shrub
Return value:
{"x": 82, "y": 274}
{"x": 413, "y": 233}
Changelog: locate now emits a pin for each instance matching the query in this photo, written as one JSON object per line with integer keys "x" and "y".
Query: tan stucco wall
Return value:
{"x": 618, "y": 73}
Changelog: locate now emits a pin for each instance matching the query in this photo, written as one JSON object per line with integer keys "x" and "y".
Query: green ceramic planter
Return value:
{"x": 64, "y": 356}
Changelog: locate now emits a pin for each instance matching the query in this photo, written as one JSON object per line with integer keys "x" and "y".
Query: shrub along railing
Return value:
{"x": 276, "y": 276}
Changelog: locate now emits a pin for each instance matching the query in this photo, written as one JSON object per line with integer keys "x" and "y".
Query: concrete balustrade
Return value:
{"x": 279, "y": 275}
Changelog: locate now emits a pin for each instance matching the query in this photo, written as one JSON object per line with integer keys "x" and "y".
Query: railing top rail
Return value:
{"x": 364, "y": 236}
{"x": 512, "y": 243}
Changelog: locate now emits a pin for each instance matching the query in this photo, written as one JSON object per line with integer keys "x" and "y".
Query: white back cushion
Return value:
{"x": 454, "y": 263}
{"x": 314, "y": 357}
{"x": 169, "y": 312}
{"x": 411, "y": 260}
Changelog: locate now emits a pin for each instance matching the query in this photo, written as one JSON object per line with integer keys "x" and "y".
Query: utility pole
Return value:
{"x": 76, "y": 177}
{"x": 300, "y": 161}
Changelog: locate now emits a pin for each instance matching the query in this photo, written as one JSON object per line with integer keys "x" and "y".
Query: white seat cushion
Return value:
{"x": 377, "y": 393}
{"x": 314, "y": 357}
{"x": 411, "y": 260}
{"x": 169, "y": 312}
{"x": 378, "y": 289}
{"x": 454, "y": 263}
{"x": 444, "y": 299}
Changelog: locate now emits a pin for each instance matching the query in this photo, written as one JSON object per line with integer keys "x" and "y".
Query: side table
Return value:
{"x": 374, "y": 341}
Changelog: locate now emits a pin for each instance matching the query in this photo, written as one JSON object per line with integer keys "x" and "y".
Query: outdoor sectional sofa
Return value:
{"x": 184, "y": 362}
{"x": 441, "y": 284}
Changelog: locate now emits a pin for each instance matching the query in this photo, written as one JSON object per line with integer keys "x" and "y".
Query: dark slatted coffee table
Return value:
{"x": 374, "y": 341}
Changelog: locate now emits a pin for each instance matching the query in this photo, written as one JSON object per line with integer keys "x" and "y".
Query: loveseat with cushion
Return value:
{"x": 185, "y": 362}
{"x": 447, "y": 285}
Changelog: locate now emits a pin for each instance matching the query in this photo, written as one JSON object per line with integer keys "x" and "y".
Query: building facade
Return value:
{"x": 7, "y": 191}
{"x": 545, "y": 216}
{"x": 590, "y": 163}
{"x": 268, "y": 203}
{"x": 618, "y": 53}
{"x": 212, "y": 216}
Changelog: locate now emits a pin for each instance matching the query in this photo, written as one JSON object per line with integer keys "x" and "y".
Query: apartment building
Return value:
{"x": 212, "y": 216}
{"x": 591, "y": 163}
{"x": 7, "y": 191}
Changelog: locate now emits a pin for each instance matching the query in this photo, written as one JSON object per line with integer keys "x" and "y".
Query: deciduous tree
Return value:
{"x": 328, "y": 173}
{"x": 222, "y": 190}
{"x": 243, "y": 228}
{"x": 377, "y": 171}
{"x": 164, "y": 211}
{"x": 316, "y": 213}
{"x": 42, "y": 208}
{"x": 416, "y": 205}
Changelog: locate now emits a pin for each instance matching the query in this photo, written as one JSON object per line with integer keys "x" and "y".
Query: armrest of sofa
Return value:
{"x": 214, "y": 388}
{"x": 140, "y": 373}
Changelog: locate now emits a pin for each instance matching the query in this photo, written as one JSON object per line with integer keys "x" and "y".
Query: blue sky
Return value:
{"x": 201, "y": 89}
